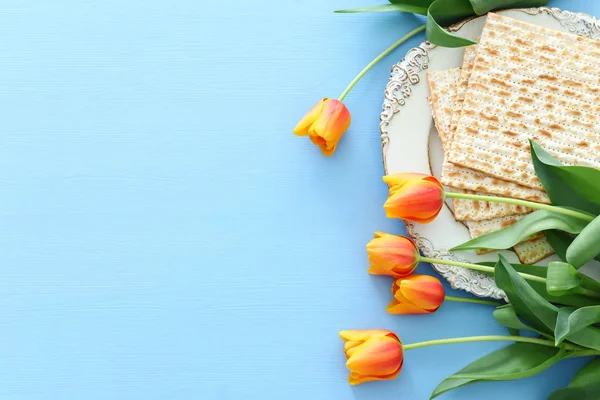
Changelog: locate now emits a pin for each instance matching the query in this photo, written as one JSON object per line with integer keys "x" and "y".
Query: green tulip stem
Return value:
{"x": 379, "y": 58}
{"x": 474, "y": 301}
{"x": 473, "y": 339}
{"x": 524, "y": 203}
{"x": 477, "y": 267}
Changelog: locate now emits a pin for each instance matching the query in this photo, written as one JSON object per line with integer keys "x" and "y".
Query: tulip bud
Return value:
{"x": 373, "y": 355}
{"x": 414, "y": 197}
{"x": 325, "y": 124}
{"x": 416, "y": 294}
{"x": 392, "y": 255}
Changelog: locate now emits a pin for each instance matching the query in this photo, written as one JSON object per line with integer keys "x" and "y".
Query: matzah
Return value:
{"x": 533, "y": 251}
{"x": 442, "y": 85}
{"x": 461, "y": 87}
{"x": 464, "y": 178}
{"x": 529, "y": 82}
{"x": 470, "y": 210}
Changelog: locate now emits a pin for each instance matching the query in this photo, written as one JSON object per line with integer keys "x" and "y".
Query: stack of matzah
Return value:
{"x": 520, "y": 82}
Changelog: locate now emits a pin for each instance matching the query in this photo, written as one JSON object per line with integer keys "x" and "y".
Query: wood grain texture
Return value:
{"x": 163, "y": 233}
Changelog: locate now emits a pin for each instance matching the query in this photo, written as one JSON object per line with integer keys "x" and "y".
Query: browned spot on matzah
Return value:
{"x": 489, "y": 117}
{"x": 545, "y": 133}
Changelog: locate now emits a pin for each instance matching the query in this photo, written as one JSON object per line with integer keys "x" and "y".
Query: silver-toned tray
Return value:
{"x": 410, "y": 142}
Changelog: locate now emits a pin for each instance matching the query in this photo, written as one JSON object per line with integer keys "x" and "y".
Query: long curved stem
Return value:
{"x": 378, "y": 58}
{"x": 474, "y": 301}
{"x": 525, "y": 203}
{"x": 496, "y": 338}
{"x": 477, "y": 267}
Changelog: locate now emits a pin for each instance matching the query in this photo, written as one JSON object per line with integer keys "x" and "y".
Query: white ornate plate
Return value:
{"x": 410, "y": 142}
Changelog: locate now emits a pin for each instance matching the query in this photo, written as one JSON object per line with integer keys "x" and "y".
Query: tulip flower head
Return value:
{"x": 416, "y": 294}
{"x": 414, "y": 197}
{"x": 392, "y": 255}
{"x": 373, "y": 355}
{"x": 325, "y": 124}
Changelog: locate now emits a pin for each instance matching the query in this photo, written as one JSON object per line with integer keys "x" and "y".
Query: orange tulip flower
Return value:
{"x": 373, "y": 355}
{"x": 392, "y": 255}
{"x": 325, "y": 124}
{"x": 414, "y": 197}
{"x": 416, "y": 294}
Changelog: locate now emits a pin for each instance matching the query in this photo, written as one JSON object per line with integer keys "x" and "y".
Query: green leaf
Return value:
{"x": 567, "y": 186}
{"x": 571, "y": 320}
{"x": 584, "y": 386}
{"x": 508, "y": 376}
{"x": 532, "y": 307}
{"x": 507, "y": 317}
{"x": 560, "y": 242}
{"x": 540, "y": 288}
{"x": 586, "y": 245}
{"x": 562, "y": 279}
{"x": 538, "y": 221}
{"x": 445, "y": 13}
{"x": 519, "y": 360}
{"x": 387, "y": 8}
{"x": 483, "y": 6}
{"x": 527, "y": 302}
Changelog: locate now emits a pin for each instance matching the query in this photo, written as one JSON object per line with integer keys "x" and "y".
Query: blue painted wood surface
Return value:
{"x": 165, "y": 236}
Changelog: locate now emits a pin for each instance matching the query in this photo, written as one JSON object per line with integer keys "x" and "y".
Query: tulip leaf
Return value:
{"x": 535, "y": 222}
{"x": 574, "y": 300}
{"x": 447, "y": 12}
{"x": 534, "y": 309}
{"x": 528, "y": 304}
{"x": 584, "y": 386}
{"x": 519, "y": 360}
{"x": 562, "y": 279}
{"x": 387, "y": 8}
{"x": 443, "y": 13}
{"x": 507, "y": 317}
{"x": 586, "y": 245}
{"x": 560, "y": 242}
{"x": 571, "y": 320}
{"x": 567, "y": 186}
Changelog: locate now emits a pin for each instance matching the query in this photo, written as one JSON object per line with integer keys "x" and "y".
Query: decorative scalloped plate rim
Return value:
{"x": 404, "y": 79}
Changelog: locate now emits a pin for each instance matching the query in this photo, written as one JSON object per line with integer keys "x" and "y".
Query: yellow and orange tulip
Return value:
{"x": 392, "y": 255}
{"x": 414, "y": 197}
{"x": 325, "y": 124}
{"x": 416, "y": 294}
{"x": 373, "y": 355}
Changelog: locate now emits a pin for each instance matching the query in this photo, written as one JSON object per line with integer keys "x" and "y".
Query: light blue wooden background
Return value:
{"x": 165, "y": 236}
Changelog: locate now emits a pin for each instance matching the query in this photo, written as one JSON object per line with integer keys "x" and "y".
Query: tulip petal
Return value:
{"x": 332, "y": 123}
{"x": 363, "y": 334}
{"x": 380, "y": 355}
{"x": 423, "y": 291}
{"x": 303, "y": 127}
{"x": 398, "y": 180}
{"x": 356, "y": 379}
{"x": 418, "y": 201}
{"x": 392, "y": 255}
{"x": 396, "y": 307}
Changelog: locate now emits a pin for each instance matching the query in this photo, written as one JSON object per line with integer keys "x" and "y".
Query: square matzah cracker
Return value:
{"x": 470, "y": 210}
{"x": 529, "y": 82}
{"x": 533, "y": 251}
{"x": 442, "y": 85}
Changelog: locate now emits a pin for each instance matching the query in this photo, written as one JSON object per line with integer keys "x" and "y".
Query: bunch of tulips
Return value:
{"x": 379, "y": 354}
